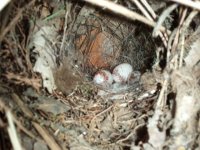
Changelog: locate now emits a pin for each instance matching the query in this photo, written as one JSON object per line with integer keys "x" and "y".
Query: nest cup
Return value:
{"x": 103, "y": 41}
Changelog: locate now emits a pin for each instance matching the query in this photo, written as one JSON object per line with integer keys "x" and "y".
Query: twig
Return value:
{"x": 125, "y": 12}
{"x": 61, "y": 54}
{"x": 182, "y": 36}
{"x": 47, "y": 137}
{"x": 163, "y": 37}
{"x": 175, "y": 43}
{"x": 151, "y": 11}
{"x": 175, "y": 36}
{"x": 3, "y": 4}
{"x": 182, "y": 51}
{"x": 162, "y": 18}
{"x": 137, "y": 3}
{"x": 169, "y": 44}
{"x": 20, "y": 103}
{"x": 34, "y": 82}
{"x": 188, "y": 21}
{"x": 12, "y": 132}
{"x": 21, "y": 127}
{"x": 15, "y": 20}
{"x": 189, "y": 3}
{"x": 131, "y": 134}
{"x": 161, "y": 100}
{"x": 99, "y": 114}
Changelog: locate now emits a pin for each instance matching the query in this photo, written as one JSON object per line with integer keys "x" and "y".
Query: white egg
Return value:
{"x": 122, "y": 73}
{"x": 103, "y": 77}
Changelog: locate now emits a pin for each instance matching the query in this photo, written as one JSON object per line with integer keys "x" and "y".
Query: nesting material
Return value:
{"x": 66, "y": 79}
{"x": 117, "y": 108}
{"x": 187, "y": 106}
{"x": 45, "y": 60}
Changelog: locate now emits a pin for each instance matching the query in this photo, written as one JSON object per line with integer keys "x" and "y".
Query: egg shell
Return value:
{"x": 122, "y": 73}
{"x": 103, "y": 77}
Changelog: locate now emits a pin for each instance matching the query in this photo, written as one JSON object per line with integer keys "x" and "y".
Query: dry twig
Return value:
{"x": 125, "y": 12}
{"x": 15, "y": 20}
{"x": 3, "y": 4}
{"x": 20, "y": 103}
{"x": 163, "y": 36}
{"x": 189, "y": 3}
{"x": 65, "y": 33}
{"x": 21, "y": 127}
{"x": 34, "y": 82}
{"x": 161, "y": 99}
{"x": 162, "y": 18}
{"x": 148, "y": 7}
{"x": 43, "y": 132}
{"x": 175, "y": 43}
{"x": 12, "y": 132}
{"x": 47, "y": 137}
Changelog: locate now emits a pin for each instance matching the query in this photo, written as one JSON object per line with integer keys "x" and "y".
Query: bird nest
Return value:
{"x": 51, "y": 51}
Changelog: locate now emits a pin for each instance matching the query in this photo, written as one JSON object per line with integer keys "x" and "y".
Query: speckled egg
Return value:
{"x": 122, "y": 73}
{"x": 103, "y": 78}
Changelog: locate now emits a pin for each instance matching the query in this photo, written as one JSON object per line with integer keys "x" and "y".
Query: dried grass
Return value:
{"x": 160, "y": 112}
